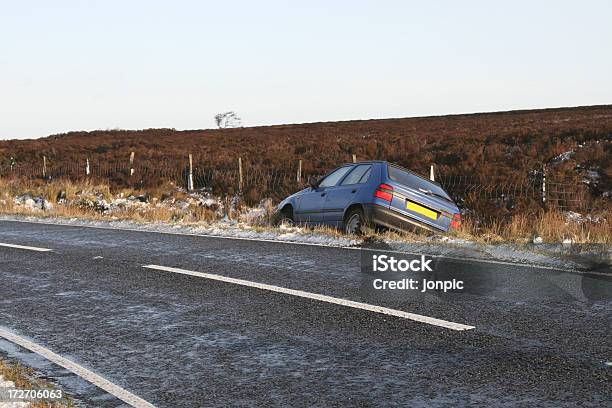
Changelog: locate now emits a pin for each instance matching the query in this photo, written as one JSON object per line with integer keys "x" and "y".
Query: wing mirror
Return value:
{"x": 313, "y": 182}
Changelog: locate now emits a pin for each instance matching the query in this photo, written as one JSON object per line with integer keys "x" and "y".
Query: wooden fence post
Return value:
{"x": 354, "y": 158}
{"x": 299, "y": 173}
{"x": 544, "y": 186}
{"x": 132, "y": 164}
{"x": 87, "y": 167}
{"x": 44, "y": 172}
{"x": 240, "y": 174}
{"x": 190, "y": 180}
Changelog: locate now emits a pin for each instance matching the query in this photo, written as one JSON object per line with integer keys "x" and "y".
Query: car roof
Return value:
{"x": 394, "y": 165}
{"x": 367, "y": 162}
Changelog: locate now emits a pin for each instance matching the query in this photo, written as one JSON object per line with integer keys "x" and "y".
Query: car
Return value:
{"x": 359, "y": 196}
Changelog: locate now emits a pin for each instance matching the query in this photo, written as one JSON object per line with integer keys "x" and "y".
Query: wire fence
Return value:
{"x": 535, "y": 191}
{"x": 473, "y": 194}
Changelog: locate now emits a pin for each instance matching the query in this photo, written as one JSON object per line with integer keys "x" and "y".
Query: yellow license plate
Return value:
{"x": 412, "y": 206}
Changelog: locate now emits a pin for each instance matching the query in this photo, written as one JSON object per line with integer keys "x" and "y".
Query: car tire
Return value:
{"x": 356, "y": 222}
{"x": 286, "y": 216}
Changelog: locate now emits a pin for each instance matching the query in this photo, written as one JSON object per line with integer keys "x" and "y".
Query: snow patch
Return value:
{"x": 32, "y": 203}
{"x": 563, "y": 156}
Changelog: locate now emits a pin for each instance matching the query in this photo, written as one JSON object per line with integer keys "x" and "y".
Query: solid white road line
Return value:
{"x": 82, "y": 372}
{"x": 315, "y": 296}
{"x": 29, "y": 248}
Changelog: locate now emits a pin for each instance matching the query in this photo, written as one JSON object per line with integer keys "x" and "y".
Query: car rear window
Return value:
{"x": 358, "y": 175}
{"x": 413, "y": 181}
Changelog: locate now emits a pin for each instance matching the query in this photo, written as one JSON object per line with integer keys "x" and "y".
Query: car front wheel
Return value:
{"x": 286, "y": 216}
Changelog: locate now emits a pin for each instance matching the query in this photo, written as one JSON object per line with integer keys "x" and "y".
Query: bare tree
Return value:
{"x": 227, "y": 120}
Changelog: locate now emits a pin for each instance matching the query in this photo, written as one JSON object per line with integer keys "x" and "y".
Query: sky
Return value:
{"x": 85, "y": 65}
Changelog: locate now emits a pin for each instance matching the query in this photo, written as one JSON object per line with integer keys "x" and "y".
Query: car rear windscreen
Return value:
{"x": 413, "y": 181}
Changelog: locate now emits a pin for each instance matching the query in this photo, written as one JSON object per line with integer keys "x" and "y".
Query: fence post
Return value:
{"x": 544, "y": 186}
{"x": 190, "y": 179}
{"x": 354, "y": 158}
{"x": 240, "y": 174}
{"x": 44, "y": 172}
{"x": 299, "y": 173}
{"x": 432, "y": 177}
{"x": 87, "y": 167}
{"x": 132, "y": 164}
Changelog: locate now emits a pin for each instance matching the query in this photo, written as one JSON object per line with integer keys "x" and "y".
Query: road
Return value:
{"x": 541, "y": 337}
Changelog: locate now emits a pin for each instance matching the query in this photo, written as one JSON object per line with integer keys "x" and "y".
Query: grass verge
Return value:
{"x": 78, "y": 200}
{"x": 24, "y": 378}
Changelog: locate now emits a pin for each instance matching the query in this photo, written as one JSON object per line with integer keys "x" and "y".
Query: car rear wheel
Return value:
{"x": 356, "y": 223}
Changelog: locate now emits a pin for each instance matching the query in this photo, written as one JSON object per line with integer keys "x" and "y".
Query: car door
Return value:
{"x": 310, "y": 208}
{"x": 343, "y": 194}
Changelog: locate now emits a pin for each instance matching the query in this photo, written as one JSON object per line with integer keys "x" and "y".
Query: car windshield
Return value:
{"x": 413, "y": 181}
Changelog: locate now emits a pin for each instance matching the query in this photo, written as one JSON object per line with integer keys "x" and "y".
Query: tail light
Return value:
{"x": 456, "y": 221}
{"x": 384, "y": 192}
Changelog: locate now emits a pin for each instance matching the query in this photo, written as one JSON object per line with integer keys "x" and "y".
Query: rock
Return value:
{"x": 538, "y": 240}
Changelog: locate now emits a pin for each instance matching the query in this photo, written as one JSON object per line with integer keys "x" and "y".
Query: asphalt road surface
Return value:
{"x": 541, "y": 337}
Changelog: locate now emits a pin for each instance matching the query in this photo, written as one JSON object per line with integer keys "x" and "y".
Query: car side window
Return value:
{"x": 334, "y": 177}
{"x": 357, "y": 175}
{"x": 366, "y": 176}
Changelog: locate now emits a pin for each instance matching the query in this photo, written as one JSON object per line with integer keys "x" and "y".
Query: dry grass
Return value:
{"x": 51, "y": 190}
{"x": 193, "y": 214}
{"x": 24, "y": 378}
{"x": 79, "y": 193}
{"x": 551, "y": 226}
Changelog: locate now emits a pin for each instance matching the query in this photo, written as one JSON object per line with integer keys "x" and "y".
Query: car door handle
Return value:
{"x": 353, "y": 192}
{"x": 323, "y": 194}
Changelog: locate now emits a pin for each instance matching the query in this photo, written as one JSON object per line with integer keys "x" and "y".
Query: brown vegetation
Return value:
{"x": 496, "y": 146}
{"x": 78, "y": 201}
{"x": 491, "y": 149}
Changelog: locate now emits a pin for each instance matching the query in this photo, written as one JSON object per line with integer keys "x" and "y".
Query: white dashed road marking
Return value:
{"x": 29, "y": 248}
{"x": 322, "y": 298}
{"x": 82, "y": 372}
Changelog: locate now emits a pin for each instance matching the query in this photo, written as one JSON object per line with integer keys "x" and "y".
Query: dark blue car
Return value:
{"x": 359, "y": 196}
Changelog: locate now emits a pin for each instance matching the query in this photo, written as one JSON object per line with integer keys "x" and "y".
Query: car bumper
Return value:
{"x": 386, "y": 217}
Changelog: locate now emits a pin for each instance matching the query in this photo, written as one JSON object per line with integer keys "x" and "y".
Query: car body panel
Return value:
{"x": 309, "y": 208}
{"x": 338, "y": 199}
{"x": 402, "y": 196}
